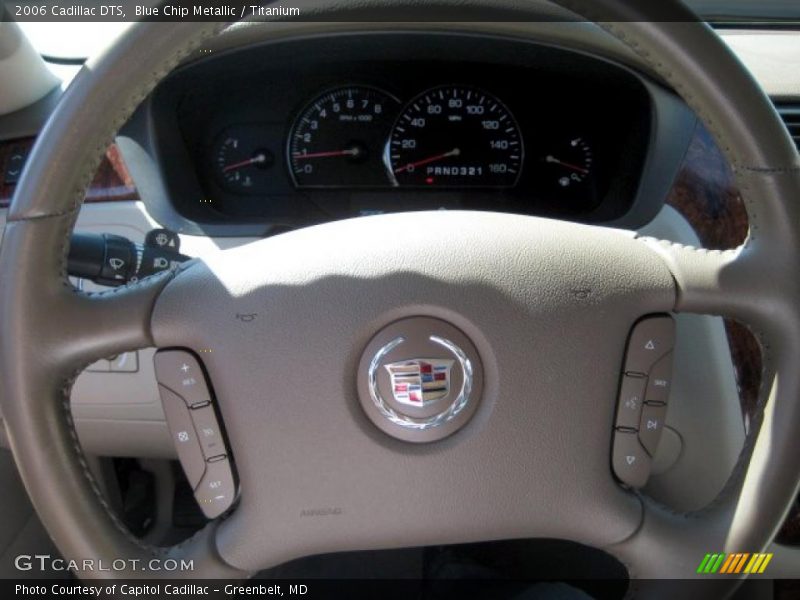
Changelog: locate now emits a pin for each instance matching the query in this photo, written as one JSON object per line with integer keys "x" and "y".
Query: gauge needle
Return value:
{"x": 425, "y": 161}
{"x": 257, "y": 159}
{"x": 553, "y": 159}
{"x": 347, "y": 152}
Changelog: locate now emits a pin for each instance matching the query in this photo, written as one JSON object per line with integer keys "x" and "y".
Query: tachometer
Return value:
{"x": 455, "y": 136}
{"x": 338, "y": 138}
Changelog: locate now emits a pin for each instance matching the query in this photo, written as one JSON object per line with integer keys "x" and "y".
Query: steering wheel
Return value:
{"x": 547, "y": 306}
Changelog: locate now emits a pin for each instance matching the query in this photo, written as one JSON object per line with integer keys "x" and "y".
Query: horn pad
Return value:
{"x": 420, "y": 379}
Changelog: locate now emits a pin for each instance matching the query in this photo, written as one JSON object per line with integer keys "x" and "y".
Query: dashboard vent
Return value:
{"x": 790, "y": 113}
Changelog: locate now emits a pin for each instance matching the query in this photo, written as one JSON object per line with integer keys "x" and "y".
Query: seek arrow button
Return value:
{"x": 651, "y": 338}
{"x": 630, "y": 461}
{"x": 651, "y": 426}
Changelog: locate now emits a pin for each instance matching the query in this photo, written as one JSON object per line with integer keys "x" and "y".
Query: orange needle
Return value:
{"x": 348, "y": 152}
{"x": 258, "y": 158}
{"x": 425, "y": 161}
{"x": 553, "y": 159}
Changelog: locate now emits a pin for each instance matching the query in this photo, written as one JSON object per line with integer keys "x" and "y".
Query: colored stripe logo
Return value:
{"x": 737, "y": 562}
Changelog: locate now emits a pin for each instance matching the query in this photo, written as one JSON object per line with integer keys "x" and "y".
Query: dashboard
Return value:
{"x": 387, "y": 122}
{"x": 235, "y": 104}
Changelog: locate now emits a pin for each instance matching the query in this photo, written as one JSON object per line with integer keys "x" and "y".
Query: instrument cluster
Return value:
{"x": 305, "y": 131}
{"x": 359, "y": 136}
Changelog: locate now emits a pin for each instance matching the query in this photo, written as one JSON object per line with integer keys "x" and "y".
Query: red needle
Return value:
{"x": 553, "y": 159}
{"x": 348, "y": 152}
{"x": 258, "y": 158}
{"x": 425, "y": 161}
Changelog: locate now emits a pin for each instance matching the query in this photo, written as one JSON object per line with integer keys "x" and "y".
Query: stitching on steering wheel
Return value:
{"x": 174, "y": 60}
{"x": 744, "y": 457}
{"x": 68, "y": 223}
{"x": 65, "y": 391}
{"x": 743, "y": 460}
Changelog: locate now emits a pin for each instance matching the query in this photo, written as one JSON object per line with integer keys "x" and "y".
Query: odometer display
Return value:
{"x": 454, "y": 136}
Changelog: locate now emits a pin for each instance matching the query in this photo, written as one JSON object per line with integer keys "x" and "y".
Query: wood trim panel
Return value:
{"x": 706, "y": 194}
{"x": 112, "y": 182}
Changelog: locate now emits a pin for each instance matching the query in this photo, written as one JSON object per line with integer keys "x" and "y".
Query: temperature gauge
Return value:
{"x": 240, "y": 160}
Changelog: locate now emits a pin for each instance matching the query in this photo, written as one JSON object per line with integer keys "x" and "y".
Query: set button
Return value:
{"x": 217, "y": 490}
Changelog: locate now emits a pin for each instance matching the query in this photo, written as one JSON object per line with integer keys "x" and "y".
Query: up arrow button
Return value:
{"x": 651, "y": 338}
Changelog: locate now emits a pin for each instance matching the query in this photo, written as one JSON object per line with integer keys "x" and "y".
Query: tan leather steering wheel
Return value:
{"x": 534, "y": 461}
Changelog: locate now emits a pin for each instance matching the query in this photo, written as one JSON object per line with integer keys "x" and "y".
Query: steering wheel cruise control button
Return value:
{"x": 196, "y": 431}
{"x": 217, "y": 490}
{"x": 650, "y": 339}
{"x": 208, "y": 432}
{"x": 183, "y": 436}
{"x": 631, "y": 398}
{"x": 630, "y": 461}
{"x": 179, "y": 371}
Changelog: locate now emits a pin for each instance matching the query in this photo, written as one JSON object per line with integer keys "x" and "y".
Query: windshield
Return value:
{"x": 80, "y": 40}
{"x": 71, "y": 41}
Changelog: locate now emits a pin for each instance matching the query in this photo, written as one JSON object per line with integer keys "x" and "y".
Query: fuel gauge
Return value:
{"x": 570, "y": 164}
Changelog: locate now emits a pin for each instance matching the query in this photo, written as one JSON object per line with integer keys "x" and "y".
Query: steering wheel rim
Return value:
{"x": 69, "y": 329}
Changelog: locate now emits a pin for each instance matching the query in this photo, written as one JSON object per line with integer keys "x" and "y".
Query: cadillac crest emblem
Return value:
{"x": 420, "y": 382}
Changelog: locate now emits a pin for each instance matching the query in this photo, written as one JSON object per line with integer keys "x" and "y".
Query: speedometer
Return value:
{"x": 455, "y": 136}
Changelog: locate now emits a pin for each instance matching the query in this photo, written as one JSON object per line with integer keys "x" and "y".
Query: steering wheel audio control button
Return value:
{"x": 630, "y": 461}
{"x": 651, "y": 338}
{"x": 653, "y": 417}
{"x": 217, "y": 490}
{"x": 208, "y": 431}
{"x": 631, "y": 399}
{"x": 179, "y": 371}
{"x": 659, "y": 380}
{"x": 183, "y": 436}
{"x": 642, "y": 404}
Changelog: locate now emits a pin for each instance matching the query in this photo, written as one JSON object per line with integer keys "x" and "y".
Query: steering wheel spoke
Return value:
{"x": 707, "y": 281}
